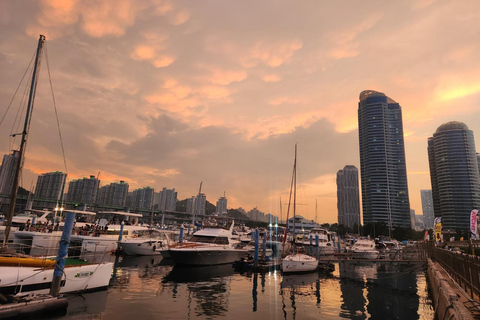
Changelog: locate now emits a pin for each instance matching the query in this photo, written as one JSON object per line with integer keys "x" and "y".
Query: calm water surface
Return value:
{"x": 151, "y": 288}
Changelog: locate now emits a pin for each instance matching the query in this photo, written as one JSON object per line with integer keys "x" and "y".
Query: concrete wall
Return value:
{"x": 446, "y": 298}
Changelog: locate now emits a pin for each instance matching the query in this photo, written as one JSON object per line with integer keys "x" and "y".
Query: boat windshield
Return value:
{"x": 208, "y": 239}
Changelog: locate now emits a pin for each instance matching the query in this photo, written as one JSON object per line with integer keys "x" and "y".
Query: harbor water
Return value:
{"x": 152, "y": 288}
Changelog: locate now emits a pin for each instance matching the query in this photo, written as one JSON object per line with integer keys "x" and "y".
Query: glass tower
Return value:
{"x": 348, "y": 202}
{"x": 382, "y": 161}
{"x": 454, "y": 175}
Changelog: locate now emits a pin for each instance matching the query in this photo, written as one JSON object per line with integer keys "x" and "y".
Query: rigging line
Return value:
{"x": 19, "y": 84}
{"x": 55, "y": 107}
{"x": 20, "y": 110}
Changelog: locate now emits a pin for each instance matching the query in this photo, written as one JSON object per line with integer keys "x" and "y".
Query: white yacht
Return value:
{"x": 96, "y": 240}
{"x": 43, "y": 242}
{"x": 208, "y": 246}
{"x": 25, "y": 280}
{"x": 364, "y": 249}
{"x": 325, "y": 246}
{"x": 148, "y": 243}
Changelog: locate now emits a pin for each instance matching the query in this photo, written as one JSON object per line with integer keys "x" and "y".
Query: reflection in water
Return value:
{"x": 146, "y": 288}
{"x": 86, "y": 304}
{"x": 379, "y": 291}
{"x": 208, "y": 286}
{"x": 302, "y": 285}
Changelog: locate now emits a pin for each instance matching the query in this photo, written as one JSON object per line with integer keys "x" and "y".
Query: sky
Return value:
{"x": 172, "y": 93}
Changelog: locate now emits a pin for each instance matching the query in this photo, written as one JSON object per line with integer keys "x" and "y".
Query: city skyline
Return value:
{"x": 159, "y": 93}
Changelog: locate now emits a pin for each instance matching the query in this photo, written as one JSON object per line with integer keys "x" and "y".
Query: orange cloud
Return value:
{"x": 287, "y": 100}
{"x": 214, "y": 92}
{"x": 222, "y": 76}
{"x": 271, "y": 78}
{"x": 273, "y": 55}
{"x": 163, "y": 62}
{"x": 180, "y": 18}
{"x": 143, "y": 53}
{"x": 457, "y": 91}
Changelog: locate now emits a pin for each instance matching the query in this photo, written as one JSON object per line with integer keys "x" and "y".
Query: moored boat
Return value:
{"x": 148, "y": 243}
{"x": 364, "y": 249}
{"x": 209, "y": 246}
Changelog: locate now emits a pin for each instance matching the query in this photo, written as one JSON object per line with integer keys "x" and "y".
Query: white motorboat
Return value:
{"x": 95, "y": 240}
{"x": 148, "y": 243}
{"x": 26, "y": 280}
{"x": 208, "y": 246}
{"x": 325, "y": 245}
{"x": 364, "y": 249}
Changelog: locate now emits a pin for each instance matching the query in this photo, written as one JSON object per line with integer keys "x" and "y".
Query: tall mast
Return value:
{"x": 294, "y": 196}
{"x": 23, "y": 142}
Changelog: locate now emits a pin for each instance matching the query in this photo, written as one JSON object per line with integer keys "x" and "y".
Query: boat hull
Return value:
{"x": 24, "y": 280}
{"x": 299, "y": 263}
{"x": 205, "y": 256}
{"x": 366, "y": 255}
{"x": 142, "y": 248}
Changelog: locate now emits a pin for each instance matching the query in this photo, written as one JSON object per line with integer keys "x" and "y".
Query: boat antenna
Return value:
{"x": 23, "y": 142}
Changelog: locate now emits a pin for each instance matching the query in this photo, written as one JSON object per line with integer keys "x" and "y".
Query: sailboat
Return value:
{"x": 61, "y": 277}
{"x": 296, "y": 261}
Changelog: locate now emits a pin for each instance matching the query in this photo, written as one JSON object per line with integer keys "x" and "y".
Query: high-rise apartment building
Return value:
{"x": 427, "y": 208}
{"x": 114, "y": 194}
{"x": 348, "y": 199}
{"x": 167, "y": 200}
{"x": 191, "y": 205}
{"x": 382, "y": 161}
{"x": 200, "y": 203}
{"x": 7, "y": 173}
{"x": 50, "y": 185}
{"x": 454, "y": 175}
{"x": 83, "y": 190}
{"x": 143, "y": 198}
{"x": 222, "y": 206}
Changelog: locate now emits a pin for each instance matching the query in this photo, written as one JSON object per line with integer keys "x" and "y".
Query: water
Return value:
{"x": 151, "y": 288}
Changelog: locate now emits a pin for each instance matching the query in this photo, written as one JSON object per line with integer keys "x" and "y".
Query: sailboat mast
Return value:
{"x": 294, "y": 196}
{"x": 23, "y": 142}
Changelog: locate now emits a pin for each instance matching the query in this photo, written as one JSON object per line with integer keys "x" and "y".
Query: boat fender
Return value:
{"x": 154, "y": 247}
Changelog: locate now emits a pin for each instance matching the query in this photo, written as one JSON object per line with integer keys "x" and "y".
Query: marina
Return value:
{"x": 151, "y": 287}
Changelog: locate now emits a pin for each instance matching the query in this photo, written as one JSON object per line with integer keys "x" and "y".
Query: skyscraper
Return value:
{"x": 348, "y": 201}
{"x": 143, "y": 198}
{"x": 222, "y": 206}
{"x": 167, "y": 200}
{"x": 200, "y": 203}
{"x": 83, "y": 190}
{"x": 382, "y": 160}
{"x": 114, "y": 194}
{"x": 454, "y": 175}
{"x": 7, "y": 174}
{"x": 427, "y": 208}
{"x": 191, "y": 205}
{"x": 50, "y": 185}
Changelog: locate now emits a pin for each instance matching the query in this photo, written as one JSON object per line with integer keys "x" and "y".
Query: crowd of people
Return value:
{"x": 45, "y": 227}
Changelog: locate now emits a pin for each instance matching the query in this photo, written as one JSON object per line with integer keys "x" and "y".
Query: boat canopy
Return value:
{"x": 128, "y": 214}
{"x": 81, "y": 212}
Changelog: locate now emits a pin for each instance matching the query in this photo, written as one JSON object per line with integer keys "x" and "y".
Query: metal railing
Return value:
{"x": 463, "y": 268}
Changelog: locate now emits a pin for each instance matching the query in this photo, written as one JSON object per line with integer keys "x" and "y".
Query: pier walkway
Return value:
{"x": 454, "y": 283}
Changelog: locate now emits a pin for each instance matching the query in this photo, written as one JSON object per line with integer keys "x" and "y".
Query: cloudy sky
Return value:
{"x": 172, "y": 93}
